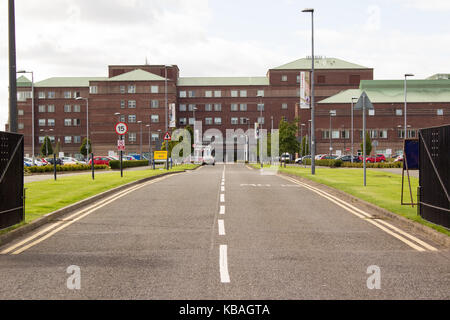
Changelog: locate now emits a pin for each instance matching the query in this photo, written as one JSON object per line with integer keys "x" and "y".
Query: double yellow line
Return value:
{"x": 401, "y": 235}
{"x": 64, "y": 223}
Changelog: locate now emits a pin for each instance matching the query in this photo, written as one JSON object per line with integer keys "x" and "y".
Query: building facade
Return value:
{"x": 138, "y": 95}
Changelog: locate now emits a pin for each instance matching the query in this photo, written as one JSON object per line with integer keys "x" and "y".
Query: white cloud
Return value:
{"x": 428, "y": 5}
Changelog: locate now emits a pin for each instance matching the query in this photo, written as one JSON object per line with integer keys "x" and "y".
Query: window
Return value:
{"x": 260, "y": 93}
{"x": 67, "y": 139}
{"x": 411, "y": 133}
{"x": 182, "y": 107}
{"x": 208, "y": 94}
{"x": 41, "y": 108}
{"x": 382, "y": 134}
{"x": 191, "y": 121}
{"x": 335, "y": 134}
{"x": 132, "y": 137}
{"x": 261, "y": 120}
{"x": 217, "y": 94}
{"x": 76, "y": 139}
{"x": 131, "y": 88}
{"x": 243, "y": 93}
{"x": 345, "y": 134}
{"x": 243, "y": 107}
{"x": 260, "y": 107}
{"x": 41, "y": 140}
{"x": 208, "y": 121}
{"x": 67, "y": 122}
{"x": 208, "y": 107}
{"x": 191, "y": 94}
{"x": 131, "y": 118}
{"x": 155, "y": 136}
{"x": 20, "y": 112}
{"x": 440, "y": 112}
{"x": 284, "y": 106}
{"x": 234, "y": 107}
{"x": 41, "y": 95}
{"x": 76, "y": 122}
{"x": 93, "y": 89}
{"x": 67, "y": 94}
{"x": 122, "y": 89}
{"x": 401, "y": 133}
{"x": 52, "y": 139}
{"x": 51, "y": 122}
{"x": 191, "y": 107}
{"x": 244, "y": 120}
{"x": 131, "y": 104}
{"x": 23, "y": 95}
{"x": 182, "y": 121}
{"x": 67, "y": 108}
{"x": 122, "y": 118}
{"x": 20, "y": 125}
{"x": 154, "y": 118}
{"x": 218, "y": 120}
{"x": 298, "y": 79}
{"x": 76, "y": 108}
{"x": 154, "y": 104}
{"x": 398, "y": 112}
{"x": 76, "y": 94}
{"x": 371, "y": 112}
{"x": 234, "y": 120}
{"x": 234, "y": 93}
{"x": 217, "y": 107}
{"x": 182, "y": 94}
{"x": 283, "y": 78}
{"x": 122, "y": 104}
{"x": 154, "y": 89}
{"x": 373, "y": 134}
{"x": 51, "y": 108}
{"x": 51, "y": 95}
{"x": 326, "y": 134}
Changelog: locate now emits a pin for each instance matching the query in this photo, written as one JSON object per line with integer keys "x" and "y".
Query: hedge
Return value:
{"x": 340, "y": 163}
{"x": 69, "y": 167}
{"x": 115, "y": 164}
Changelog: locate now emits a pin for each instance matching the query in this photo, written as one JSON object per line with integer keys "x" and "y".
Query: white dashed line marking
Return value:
{"x": 222, "y": 210}
{"x": 222, "y": 197}
{"x": 221, "y": 225}
{"x": 223, "y": 262}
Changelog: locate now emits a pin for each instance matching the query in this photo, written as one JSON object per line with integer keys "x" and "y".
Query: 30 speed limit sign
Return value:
{"x": 121, "y": 128}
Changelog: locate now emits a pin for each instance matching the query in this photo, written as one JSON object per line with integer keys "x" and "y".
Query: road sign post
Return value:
{"x": 121, "y": 129}
{"x": 167, "y": 138}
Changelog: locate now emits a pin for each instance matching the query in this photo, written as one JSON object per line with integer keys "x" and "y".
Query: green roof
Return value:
{"x": 392, "y": 91}
{"x": 23, "y": 81}
{"x": 319, "y": 63}
{"x": 137, "y": 75}
{"x": 439, "y": 76}
{"x": 223, "y": 81}
{"x": 67, "y": 82}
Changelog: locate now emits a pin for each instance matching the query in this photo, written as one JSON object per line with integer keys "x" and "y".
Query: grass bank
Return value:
{"x": 46, "y": 196}
{"x": 383, "y": 188}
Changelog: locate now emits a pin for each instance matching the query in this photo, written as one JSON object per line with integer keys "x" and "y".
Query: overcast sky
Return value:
{"x": 223, "y": 37}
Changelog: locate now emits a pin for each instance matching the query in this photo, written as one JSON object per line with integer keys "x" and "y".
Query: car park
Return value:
{"x": 71, "y": 161}
{"x": 58, "y": 161}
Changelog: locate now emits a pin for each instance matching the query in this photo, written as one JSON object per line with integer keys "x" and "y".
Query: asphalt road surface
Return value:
{"x": 223, "y": 232}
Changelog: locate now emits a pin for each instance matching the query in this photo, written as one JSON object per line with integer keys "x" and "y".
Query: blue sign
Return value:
{"x": 411, "y": 154}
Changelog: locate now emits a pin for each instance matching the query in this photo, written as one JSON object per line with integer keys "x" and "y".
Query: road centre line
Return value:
{"x": 222, "y": 189}
{"x": 223, "y": 263}
{"x": 72, "y": 218}
{"x": 221, "y": 224}
{"x": 366, "y": 216}
{"x": 222, "y": 197}
{"x": 222, "y": 210}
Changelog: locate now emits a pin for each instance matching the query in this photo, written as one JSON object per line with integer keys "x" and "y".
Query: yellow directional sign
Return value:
{"x": 160, "y": 155}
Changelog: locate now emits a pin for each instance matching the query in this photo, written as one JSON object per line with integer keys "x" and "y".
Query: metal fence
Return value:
{"x": 434, "y": 176}
{"x": 11, "y": 179}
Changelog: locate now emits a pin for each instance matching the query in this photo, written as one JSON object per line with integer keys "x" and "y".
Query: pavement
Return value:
{"x": 223, "y": 232}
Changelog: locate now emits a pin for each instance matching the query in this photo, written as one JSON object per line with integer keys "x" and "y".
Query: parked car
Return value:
{"x": 37, "y": 161}
{"x": 399, "y": 158}
{"x": 128, "y": 158}
{"x": 70, "y": 160}
{"x": 328, "y": 157}
{"x": 348, "y": 158}
{"x": 101, "y": 160}
{"x": 376, "y": 158}
{"x": 298, "y": 161}
{"x": 285, "y": 157}
{"x": 58, "y": 161}
{"x": 209, "y": 160}
{"x": 318, "y": 156}
{"x": 27, "y": 163}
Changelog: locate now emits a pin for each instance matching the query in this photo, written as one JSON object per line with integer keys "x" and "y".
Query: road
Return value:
{"x": 223, "y": 232}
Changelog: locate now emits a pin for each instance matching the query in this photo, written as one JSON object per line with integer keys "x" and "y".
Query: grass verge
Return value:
{"x": 383, "y": 188}
{"x": 46, "y": 196}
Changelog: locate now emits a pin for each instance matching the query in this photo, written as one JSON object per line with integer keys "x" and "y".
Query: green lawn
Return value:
{"x": 46, "y": 196}
{"x": 383, "y": 188}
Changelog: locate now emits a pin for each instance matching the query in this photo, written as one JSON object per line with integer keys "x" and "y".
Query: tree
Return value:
{"x": 83, "y": 147}
{"x": 368, "y": 144}
{"x": 46, "y": 148}
{"x": 304, "y": 147}
{"x": 288, "y": 140}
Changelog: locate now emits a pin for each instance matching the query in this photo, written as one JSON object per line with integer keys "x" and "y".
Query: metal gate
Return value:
{"x": 434, "y": 177}
{"x": 11, "y": 179}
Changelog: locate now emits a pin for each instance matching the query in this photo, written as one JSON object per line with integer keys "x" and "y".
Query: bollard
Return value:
{"x": 54, "y": 165}
{"x": 153, "y": 164}
{"x": 92, "y": 166}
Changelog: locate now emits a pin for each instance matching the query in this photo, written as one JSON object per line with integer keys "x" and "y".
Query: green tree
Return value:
{"x": 46, "y": 147}
{"x": 83, "y": 147}
{"x": 368, "y": 144}
{"x": 288, "y": 140}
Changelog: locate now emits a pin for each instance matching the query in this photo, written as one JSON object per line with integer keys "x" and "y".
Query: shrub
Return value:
{"x": 74, "y": 167}
{"x": 115, "y": 164}
{"x": 340, "y": 163}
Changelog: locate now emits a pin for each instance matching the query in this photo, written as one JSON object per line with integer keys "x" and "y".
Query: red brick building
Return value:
{"x": 139, "y": 93}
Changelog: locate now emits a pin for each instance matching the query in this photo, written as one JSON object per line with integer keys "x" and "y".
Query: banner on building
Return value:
{"x": 305, "y": 95}
{"x": 172, "y": 116}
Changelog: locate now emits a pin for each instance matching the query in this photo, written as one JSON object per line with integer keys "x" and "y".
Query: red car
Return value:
{"x": 101, "y": 160}
{"x": 376, "y": 158}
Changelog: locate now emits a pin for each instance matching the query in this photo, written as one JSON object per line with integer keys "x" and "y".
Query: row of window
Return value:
{"x": 398, "y": 112}
{"x": 218, "y": 107}
{"x": 374, "y": 134}
{"x": 125, "y": 89}
{"x": 154, "y": 118}
{"x": 218, "y": 93}
{"x": 52, "y": 94}
{"x": 218, "y": 121}
{"x": 67, "y": 139}
{"x": 51, "y": 122}
{"x": 132, "y": 104}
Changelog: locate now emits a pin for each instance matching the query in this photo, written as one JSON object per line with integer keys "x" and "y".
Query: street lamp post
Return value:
{"x": 149, "y": 144}
{"x": 332, "y": 114}
{"x": 406, "y": 75}
{"x": 313, "y": 138}
{"x": 301, "y": 139}
{"x": 87, "y": 123}
{"x": 121, "y": 152}
{"x": 261, "y": 121}
{"x": 32, "y": 111}
{"x": 140, "y": 144}
{"x": 353, "y": 99}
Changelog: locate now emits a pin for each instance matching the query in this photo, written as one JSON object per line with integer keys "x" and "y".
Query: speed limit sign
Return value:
{"x": 121, "y": 128}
